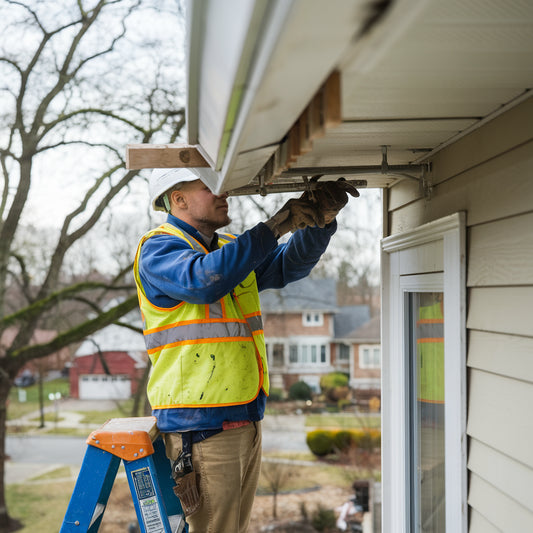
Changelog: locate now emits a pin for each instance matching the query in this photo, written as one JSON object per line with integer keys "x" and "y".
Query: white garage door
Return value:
{"x": 100, "y": 387}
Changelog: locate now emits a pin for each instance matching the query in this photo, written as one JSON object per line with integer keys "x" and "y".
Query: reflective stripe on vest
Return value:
{"x": 182, "y": 332}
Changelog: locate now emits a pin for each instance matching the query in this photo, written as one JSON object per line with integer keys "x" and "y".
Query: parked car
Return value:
{"x": 25, "y": 379}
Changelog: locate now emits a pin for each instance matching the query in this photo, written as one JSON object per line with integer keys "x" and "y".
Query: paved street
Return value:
{"x": 30, "y": 455}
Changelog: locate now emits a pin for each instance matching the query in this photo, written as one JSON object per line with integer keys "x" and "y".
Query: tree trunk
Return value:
{"x": 6, "y": 523}
{"x": 41, "y": 397}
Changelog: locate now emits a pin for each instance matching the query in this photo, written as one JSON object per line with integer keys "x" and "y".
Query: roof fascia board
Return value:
{"x": 195, "y": 10}
{"x": 200, "y": 14}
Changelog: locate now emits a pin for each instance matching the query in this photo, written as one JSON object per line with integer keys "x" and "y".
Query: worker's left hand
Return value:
{"x": 297, "y": 213}
{"x": 331, "y": 197}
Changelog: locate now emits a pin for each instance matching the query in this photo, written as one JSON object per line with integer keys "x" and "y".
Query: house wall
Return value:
{"x": 489, "y": 175}
{"x": 290, "y": 324}
{"x": 119, "y": 363}
{"x": 363, "y": 373}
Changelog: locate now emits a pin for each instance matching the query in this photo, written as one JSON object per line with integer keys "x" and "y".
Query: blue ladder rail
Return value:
{"x": 136, "y": 442}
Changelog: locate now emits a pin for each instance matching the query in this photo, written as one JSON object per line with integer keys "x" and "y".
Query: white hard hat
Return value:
{"x": 162, "y": 179}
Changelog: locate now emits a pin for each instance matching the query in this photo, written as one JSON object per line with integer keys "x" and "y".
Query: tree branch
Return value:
{"x": 85, "y": 111}
{"x": 19, "y": 357}
{"x": 38, "y": 307}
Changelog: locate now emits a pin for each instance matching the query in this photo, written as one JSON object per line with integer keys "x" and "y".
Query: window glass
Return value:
{"x": 293, "y": 353}
{"x": 313, "y": 353}
{"x": 344, "y": 352}
{"x": 277, "y": 354}
{"x": 426, "y": 409}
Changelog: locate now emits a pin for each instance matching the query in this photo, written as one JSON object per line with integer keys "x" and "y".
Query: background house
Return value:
{"x": 306, "y": 332}
{"x": 365, "y": 360}
{"x": 108, "y": 365}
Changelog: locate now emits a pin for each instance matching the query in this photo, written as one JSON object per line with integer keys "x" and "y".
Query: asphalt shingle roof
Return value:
{"x": 349, "y": 318}
{"x": 305, "y": 294}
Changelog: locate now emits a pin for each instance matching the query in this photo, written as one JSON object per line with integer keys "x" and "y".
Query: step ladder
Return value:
{"x": 136, "y": 442}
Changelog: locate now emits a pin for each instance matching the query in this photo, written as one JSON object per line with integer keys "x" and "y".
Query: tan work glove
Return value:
{"x": 296, "y": 214}
{"x": 331, "y": 197}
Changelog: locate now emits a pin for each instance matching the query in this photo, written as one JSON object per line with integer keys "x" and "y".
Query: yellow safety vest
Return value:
{"x": 208, "y": 355}
{"x": 430, "y": 343}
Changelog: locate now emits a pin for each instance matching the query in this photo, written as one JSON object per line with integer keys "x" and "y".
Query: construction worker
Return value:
{"x": 198, "y": 293}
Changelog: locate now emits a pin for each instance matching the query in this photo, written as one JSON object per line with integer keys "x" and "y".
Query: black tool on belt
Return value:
{"x": 183, "y": 464}
{"x": 186, "y": 488}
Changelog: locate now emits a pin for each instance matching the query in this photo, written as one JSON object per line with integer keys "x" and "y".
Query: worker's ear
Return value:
{"x": 178, "y": 199}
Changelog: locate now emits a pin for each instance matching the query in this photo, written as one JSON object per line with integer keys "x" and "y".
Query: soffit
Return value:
{"x": 415, "y": 87}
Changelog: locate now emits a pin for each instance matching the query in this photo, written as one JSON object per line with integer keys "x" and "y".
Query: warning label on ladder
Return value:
{"x": 148, "y": 504}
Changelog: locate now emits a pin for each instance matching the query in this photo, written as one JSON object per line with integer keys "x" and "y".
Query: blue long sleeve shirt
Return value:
{"x": 171, "y": 272}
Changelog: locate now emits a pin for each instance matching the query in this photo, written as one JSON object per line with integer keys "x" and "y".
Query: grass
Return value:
{"x": 48, "y": 417}
{"x": 343, "y": 421}
{"x": 57, "y": 473}
{"x": 122, "y": 410}
{"x": 40, "y": 507}
{"x": 71, "y": 432}
{"x": 16, "y": 408}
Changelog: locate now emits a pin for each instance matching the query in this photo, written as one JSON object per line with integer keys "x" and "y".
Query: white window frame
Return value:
{"x": 371, "y": 347}
{"x": 310, "y": 322}
{"x": 426, "y": 259}
{"x": 310, "y": 341}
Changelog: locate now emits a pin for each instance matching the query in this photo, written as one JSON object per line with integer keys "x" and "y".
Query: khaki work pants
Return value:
{"x": 229, "y": 464}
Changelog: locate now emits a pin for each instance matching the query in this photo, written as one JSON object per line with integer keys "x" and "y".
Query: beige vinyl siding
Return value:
{"x": 489, "y": 175}
{"x": 479, "y": 524}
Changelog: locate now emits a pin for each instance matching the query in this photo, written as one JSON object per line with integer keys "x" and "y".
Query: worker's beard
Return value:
{"x": 218, "y": 222}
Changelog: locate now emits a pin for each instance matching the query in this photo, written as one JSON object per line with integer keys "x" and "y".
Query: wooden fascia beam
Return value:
{"x": 140, "y": 156}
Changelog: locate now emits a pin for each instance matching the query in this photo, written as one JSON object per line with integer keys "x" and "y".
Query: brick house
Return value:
{"x": 108, "y": 365}
{"x": 365, "y": 360}
{"x": 302, "y": 324}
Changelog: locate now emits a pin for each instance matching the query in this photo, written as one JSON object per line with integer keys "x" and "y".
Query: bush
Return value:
{"x": 342, "y": 440}
{"x": 300, "y": 391}
{"x": 335, "y": 386}
{"x": 366, "y": 439}
{"x": 320, "y": 442}
{"x": 323, "y": 519}
{"x": 332, "y": 380}
{"x": 275, "y": 395}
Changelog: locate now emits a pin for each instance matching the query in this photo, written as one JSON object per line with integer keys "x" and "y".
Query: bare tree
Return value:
{"x": 276, "y": 475}
{"x": 81, "y": 80}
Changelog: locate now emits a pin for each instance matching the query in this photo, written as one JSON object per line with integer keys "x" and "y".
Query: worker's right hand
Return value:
{"x": 297, "y": 213}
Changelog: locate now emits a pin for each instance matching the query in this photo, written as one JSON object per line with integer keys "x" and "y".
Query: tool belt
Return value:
{"x": 186, "y": 479}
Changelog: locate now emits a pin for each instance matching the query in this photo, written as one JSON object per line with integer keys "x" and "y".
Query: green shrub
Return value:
{"x": 342, "y": 440}
{"x": 300, "y": 391}
{"x": 332, "y": 380}
{"x": 335, "y": 386}
{"x": 365, "y": 439}
{"x": 320, "y": 442}
{"x": 275, "y": 395}
{"x": 323, "y": 519}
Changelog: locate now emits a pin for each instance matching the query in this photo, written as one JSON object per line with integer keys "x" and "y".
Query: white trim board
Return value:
{"x": 431, "y": 257}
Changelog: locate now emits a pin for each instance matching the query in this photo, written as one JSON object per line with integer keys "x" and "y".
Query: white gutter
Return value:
{"x": 273, "y": 24}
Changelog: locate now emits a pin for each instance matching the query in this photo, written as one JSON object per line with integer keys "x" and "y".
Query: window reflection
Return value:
{"x": 427, "y": 412}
